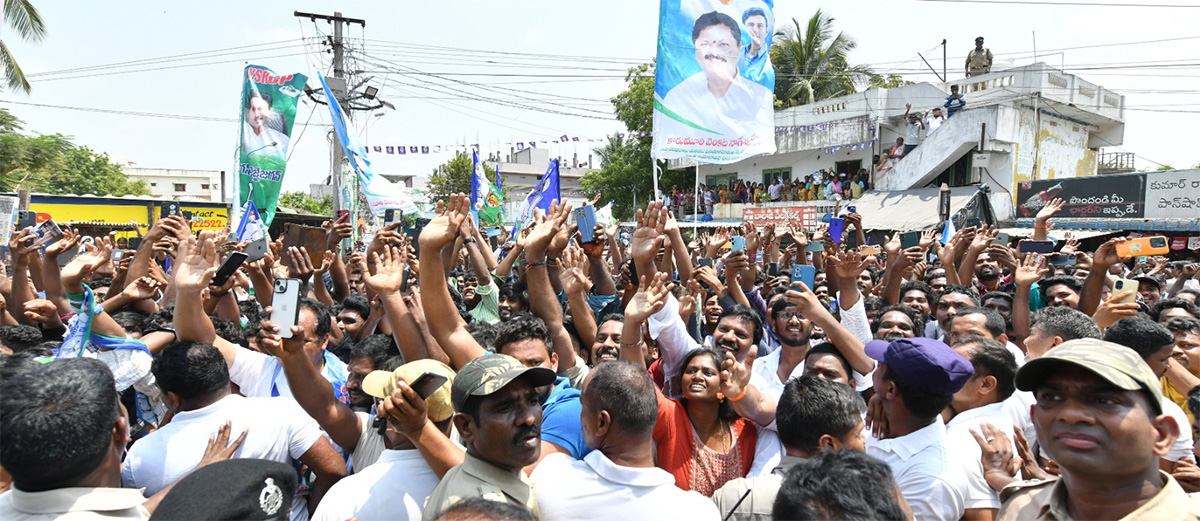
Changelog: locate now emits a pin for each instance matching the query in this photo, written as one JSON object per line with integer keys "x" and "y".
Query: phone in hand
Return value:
{"x": 427, "y": 384}
{"x": 168, "y": 208}
{"x": 705, "y": 262}
{"x": 1144, "y": 246}
{"x": 257, "y": 249}
{"x": 414, "y": 233}
{"x": 392, "y": 215}
{"x": 837, "y": 227}
{"x": 973, "y": 222}
{"x": 228, "y": 267}
{"x": 1060, "y": 259}
{"x": 1125, "y": 285}
{"x": 815, "y": 246}
{"x": 804, "y": 273}
{"x": 738, "y": 243}
{"x": 910, "y": 239}
{"x": 404, "y": 278}
{"x": 47, "y": 232}
{"x": 851, "y": 209}
{"x": 870, "y": 249}
{"x": 285, "y": 305}
{"x": 26, "y": 219}
{"x": 341, "y": 216}
{"x": 585, "y": 219}
{"x": 772, "y": 269}
{"x": 1035, "y": 246}
{"x": 1001, "y": 239}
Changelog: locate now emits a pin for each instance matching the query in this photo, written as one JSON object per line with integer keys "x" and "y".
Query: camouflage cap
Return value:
{"x": 1115, "y": 363}
{"x": 380, "y": 384}
{"x": 488, "y": 374}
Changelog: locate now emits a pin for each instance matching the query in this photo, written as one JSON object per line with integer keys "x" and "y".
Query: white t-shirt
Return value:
{"x": 279, "y": 430}
{"x": 932, "y": 123}
{"x": 394, "y": 488}
{"x": 967, "y": 453}
{"x": 370, "y": 444}
{"x": 258, "y": 374}
{"x": 595, "y": 488}
{"x": 1183, "y": 444}
{"x": 921, "y": 463}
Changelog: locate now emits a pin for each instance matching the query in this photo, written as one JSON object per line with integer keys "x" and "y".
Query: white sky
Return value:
{"x": 1164, "y": 104}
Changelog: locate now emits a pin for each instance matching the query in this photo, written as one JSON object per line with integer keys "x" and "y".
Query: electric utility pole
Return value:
{"x": 338, "y": 84}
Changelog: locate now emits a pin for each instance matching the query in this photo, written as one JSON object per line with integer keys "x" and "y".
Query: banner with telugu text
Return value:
{"x": 713, "y": 83}
{"x": 268, "y": 112}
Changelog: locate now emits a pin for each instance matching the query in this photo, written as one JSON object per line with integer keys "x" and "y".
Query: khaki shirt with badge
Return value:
{"x": 478, "y": 478}
{"x": 1047, "y": 500}
{"x": 979, "y": 60}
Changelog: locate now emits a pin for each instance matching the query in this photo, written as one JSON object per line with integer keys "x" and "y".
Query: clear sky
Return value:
{"x": 593, "y": 41}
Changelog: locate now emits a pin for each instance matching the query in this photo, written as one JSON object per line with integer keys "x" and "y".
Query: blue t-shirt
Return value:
{"x": 560, "y": 419}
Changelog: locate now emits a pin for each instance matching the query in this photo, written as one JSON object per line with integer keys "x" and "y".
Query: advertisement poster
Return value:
{"x": 1118, "y": 196}
{"x": 713, "y": 82}
{"x": 268, "y": 111}
{"x": 1172, "y": 195}
{"x": 782, "y": 216}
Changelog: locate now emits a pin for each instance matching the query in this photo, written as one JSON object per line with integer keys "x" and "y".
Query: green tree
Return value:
{"x": 454, "y": 177}
{"x": 1164, "y": 168}
{"x": 21, "y": 16}
{"x": 811, "y": 64}
{"x": 51, "y": 163}
{"x": 891, "y": 81}
{"x": 302, "y": 201}
{"x": 86, "y": 172}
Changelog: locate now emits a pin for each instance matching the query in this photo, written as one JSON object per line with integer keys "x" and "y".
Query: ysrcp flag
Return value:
{"x": 543, "y": 194}
{"x": 486, "y": 200}
{"x": 713, "y": 83}
{"x": 268, "y": 112}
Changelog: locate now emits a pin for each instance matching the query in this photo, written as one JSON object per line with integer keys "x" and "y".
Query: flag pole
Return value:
{"x": 696, "y": 203}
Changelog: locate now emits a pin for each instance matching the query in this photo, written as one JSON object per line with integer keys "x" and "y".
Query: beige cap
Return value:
{"x": 380, "y": 384}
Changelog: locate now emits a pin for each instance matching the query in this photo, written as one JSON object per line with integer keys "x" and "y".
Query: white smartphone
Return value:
{"x": 285, "y": 305}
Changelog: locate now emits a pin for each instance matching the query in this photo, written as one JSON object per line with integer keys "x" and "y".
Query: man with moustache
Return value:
{"x": 988, "y": 275}
{"x": 898, "y": 322}
{"x": 498, "y": 412}
{"x": 717, "y": 98}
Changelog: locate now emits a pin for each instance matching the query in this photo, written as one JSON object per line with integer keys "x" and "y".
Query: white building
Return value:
{"x": 522, "y": 169}
{"x": 1022, "y": 124}
{"x": 170, "y": 183}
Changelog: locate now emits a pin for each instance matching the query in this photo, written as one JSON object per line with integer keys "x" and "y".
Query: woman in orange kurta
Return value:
{"x": 699, "y": 437}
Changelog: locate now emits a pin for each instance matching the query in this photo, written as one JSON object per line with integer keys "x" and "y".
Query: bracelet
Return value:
{"x": 217, "y": 295}
{"x": 639, "y": 343}
{"x": 469, "y": 240}
{"x": 740, "y": 396}
{"x": 531, "y": 264}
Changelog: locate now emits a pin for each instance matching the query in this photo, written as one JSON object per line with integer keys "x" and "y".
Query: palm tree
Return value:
{"x": 25, "y": 19}
{"x": 811, "y": 64}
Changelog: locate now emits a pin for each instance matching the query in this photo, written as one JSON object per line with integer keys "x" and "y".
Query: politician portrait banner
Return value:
{"x": 268, "y": 112}
{"x": 713, "y": 83}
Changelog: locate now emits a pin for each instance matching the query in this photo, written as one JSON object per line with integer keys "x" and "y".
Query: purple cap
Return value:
{"x": 925, "y": 363}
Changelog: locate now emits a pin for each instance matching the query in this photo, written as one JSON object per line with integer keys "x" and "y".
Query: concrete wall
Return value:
{"x": 203, "y": 185}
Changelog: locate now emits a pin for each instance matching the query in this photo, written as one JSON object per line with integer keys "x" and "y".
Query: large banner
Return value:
{"x": 713, "y": 82}
{"x": 1116, "y": 196}
{"x": 1172, "y": 195}
{"x": 782, "y": 216}
{"x": 268, "y": 112}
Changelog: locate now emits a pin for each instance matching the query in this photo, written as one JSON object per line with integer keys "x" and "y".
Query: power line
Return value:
{"x": 172, "y": 67}
{"x": 172, "y": 58}
{"x": 184, "y": 117}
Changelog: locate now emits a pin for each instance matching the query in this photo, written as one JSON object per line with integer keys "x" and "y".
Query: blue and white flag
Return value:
{"x": 541, "y": 196}
{"x": 381, "y": 193}
{"x": 250, "y": 228}
{"x": 948, "y": 231}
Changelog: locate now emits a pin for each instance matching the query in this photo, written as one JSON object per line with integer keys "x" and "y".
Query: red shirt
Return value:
{"x": 676, "y": 443}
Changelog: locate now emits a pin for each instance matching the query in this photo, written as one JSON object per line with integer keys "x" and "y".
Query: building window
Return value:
{"x": 180, "y": 187}
{"x": 153, "y": 184}
{"x": 204, "y": 187}
{"x": 769, "y": 175}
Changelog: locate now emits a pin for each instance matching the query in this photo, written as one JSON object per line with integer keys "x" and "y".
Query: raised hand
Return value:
{"x": 16, "y": 243}
{"x": 1106, "y": 254}
{"x": 735, "y": 376}
{"x": 800, "y": 296}
{"x": 1052, "y": 207}
{"x": 848, "y": 265}
{"x": 69, "y": 240}
{"x": 389, "y": 271}
{"x": 40, "y": 311}
{"x": 750, "y": 232}
{"x": 691, "y": 300}
{"x": 142, "y": 288}
{"x": 299, "y": 264}
{"x": 574, "y": 271}
{"x": 196, "y": 266}
{"x": 716, "y": 241}
{"x": 326, "y": 262}
{"x": 650, "y": 298}
{"x": 1003, "y": 255}
{"x": 1113, "y": 309}
{"x": 442, "y": 230}
{"x": 86, "y": 262}
{"x": 219, "y": 448}
{"x": 1031, "y": 270}
{"x": 928, "y": 237}
{"x": 648, "y": 236}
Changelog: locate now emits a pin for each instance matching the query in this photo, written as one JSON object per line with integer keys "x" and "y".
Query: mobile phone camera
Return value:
{"x": 280, "y": 286}
{"x": 1158, "y": 242}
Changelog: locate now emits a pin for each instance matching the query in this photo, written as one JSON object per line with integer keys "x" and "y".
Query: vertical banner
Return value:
{"x": 713, "y": 83}
{"x": 268, "y": 112}
{"x": 486, "y": 199}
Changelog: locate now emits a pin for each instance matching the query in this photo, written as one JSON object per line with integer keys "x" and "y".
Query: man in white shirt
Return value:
{"x": 773, "y": 190}
{"x": 980, "y": 401}
{"x": 934, "y": 121}
{"x": 717, "y": 102}
{"x": 617, "y": 480}
{"x": 916, "y": 379}
{"x": 395, "y": 486}
{"x": 259, "y": 140}
{"x": 195, "y": 385}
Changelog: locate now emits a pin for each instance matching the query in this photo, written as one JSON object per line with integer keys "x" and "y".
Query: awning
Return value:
{"x": 1115, "y": 225}
{"x": 908, "y": 209}
{"x": 1057, "y": 232}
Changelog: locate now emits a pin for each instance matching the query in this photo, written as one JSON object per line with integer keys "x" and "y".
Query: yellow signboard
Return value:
{"x": 99, "y": 210}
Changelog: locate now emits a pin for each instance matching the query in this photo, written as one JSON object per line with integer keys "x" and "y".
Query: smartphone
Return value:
{"x": 414, "y": 233}
{"x": 187, "y": 216}
{"x": 46, "y": 233}
{"x": 972, "y": 222}
{"x": 404, "y": 279}
{"x": 804, "y": 273}
{"x": 26, "y": 219}
{"x": 1001, "y": 239}
{"x": 285, "y": 305}
{"x": 311, "y": 238}
{"x": 257, "y": 249}
{"x": 786, "y": 239}
{"x": 228, "y": 267}
{"x": 870, "y": 249}
{"x": 585, "y": 218}
{"x": 392, "y": 215}
{"x": 851, "y": 209}
{"x": 1126, "y": 284}
{"x": 1035, "y": 246}
{"x": 427, "y": 383}
{"x": 116, "y": 256}
{"x": 837, "y": 226}
{"x": 342, "y": 216}
{"x": 1144, "y": 246}
{"x": 706, "y": 262}
{"x": 167, "y": 209}
{"x": 1060, "y": 259}
{"x": 772, "y": 269}
{"x": 910, "y": 239}
{"x": 737, "y": 243}
{"x": 815, "y": 246}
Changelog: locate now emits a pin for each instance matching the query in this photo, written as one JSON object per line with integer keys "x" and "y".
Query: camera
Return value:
{"x": 1158, "y": 242}
{"x": 280, "y": 286}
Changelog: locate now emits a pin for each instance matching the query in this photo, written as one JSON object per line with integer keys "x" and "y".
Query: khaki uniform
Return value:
{"x": 478, "y": 478}
{"x": 1047, "y": 500}
{"x": 979, "y": 62}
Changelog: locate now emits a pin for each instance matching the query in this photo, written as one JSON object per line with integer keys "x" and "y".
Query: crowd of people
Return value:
{"x": 822, "y": 185}
{"x": 750, "y": 374}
